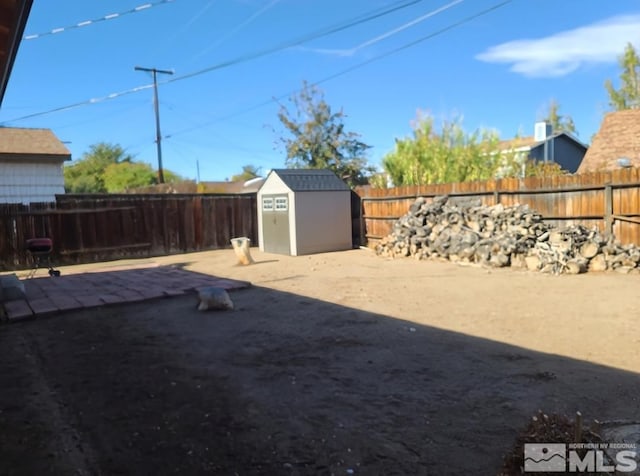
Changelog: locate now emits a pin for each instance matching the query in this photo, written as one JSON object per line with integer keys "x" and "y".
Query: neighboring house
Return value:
{"x": 13, "y": 18}
{"x": 31, "y": 162}
{"x": 617, "y": 143}
{"x": 561, "y": 148}
{"x": 190, "y": 186}
{"x": 249, "y": 186}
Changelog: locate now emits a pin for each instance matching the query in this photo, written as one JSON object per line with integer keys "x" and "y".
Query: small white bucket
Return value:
{"x": 241, "y": 248}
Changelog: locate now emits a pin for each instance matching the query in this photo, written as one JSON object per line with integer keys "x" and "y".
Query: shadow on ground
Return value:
{"x": 283, "y": 385}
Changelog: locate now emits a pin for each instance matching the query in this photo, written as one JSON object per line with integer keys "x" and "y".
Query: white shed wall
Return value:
{"x": 323, "y": 221}
{"x": 274, "y": 185}
{"x": 28, "y": 182}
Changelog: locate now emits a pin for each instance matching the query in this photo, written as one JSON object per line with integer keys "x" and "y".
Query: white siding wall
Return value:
{"x": 28, "y": 182}
{"x": 323, "y": 221}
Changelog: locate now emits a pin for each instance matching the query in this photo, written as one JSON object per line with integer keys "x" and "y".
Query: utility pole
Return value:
{"x": 155, "y": 71}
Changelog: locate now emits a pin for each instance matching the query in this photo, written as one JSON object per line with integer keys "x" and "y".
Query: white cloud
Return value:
{"x": 563, "y": 53}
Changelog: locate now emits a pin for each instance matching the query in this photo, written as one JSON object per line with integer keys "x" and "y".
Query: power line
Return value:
{"x": 111, "y": 16}
{"x": 82, "y": 103}
{"x": 178, "y": 31}
{"x": 283, "y": 46}
{"x": 256, "y": 55}
{"x": 422, "y": 39}
{"x": 352, "y": 68}
{"x": 416, "y": 42}
{"x": 237, "y": 28}
{"x": 348, "y": 70}
{"x": 366, "y": 17}
{"x": 284, "y": 96}
{"x": 387, "y": 34}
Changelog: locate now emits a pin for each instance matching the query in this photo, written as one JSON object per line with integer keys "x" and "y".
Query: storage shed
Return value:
{"x": 304, "y": 211}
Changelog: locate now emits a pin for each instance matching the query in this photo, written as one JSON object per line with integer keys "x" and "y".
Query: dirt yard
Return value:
{"x": 339, "y": 363}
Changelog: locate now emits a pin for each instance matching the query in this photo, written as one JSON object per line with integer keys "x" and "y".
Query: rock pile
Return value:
{"x": 464, "y": 230}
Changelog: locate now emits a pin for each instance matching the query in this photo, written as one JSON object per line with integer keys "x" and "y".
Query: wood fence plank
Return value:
{"x": 568, "y": 197}
{"x": 86, "y": 228}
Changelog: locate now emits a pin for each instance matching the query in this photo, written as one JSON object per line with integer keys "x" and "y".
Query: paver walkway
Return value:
{"x": 47, "y": 295}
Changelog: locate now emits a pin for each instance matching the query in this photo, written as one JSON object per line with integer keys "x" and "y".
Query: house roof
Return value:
{"x": 17, "y": 141}
{"x": 516, "y": 143}
{"x": 249, "y": 186}
{"x": 308, "y": 180}
{"x": 618, "y": 137}
{"x": 530, "y": 143}
{"x": 13, "y": 18}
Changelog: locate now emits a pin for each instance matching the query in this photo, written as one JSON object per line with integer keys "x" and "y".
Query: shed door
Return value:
{"x": 275, "y": 224}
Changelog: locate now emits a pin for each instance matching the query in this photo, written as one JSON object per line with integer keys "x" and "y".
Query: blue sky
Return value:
{"x": 498, "y": 71}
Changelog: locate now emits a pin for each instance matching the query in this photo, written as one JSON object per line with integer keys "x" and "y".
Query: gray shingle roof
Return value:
{"x": 531, "y": 143}
{"x": 307, "y": 180}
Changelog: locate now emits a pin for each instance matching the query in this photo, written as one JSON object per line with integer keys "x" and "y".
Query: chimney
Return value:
{"x": 542, "y": 131}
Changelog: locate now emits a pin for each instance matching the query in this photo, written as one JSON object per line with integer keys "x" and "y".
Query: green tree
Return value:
{"x": 123, "y": 176}
{"x": 535, "y": 168}
{"x": 627, "y": 96}
{"x": 248, "y": 172}
{"x": 447, "y": 155}
{"x": 320, "y": 140}
{"x": 559, "y": 122}
{"x": 87, "y": 174}
{"x": 108, "y": 168}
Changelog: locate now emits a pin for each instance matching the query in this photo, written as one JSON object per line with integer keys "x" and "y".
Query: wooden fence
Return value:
{"x": 609, "y": 201}
{"x": 87, "y": 228}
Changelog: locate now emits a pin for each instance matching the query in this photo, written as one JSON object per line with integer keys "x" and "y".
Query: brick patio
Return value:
{"x": 47, "y": 295}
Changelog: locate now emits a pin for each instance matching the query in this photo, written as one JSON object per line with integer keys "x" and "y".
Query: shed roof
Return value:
{"x": 308, "y": 180}
{"x": 618, "y": 137}
{"x": 20, "y": 141}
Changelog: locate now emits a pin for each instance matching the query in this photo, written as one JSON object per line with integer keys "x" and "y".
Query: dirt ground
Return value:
{"x": 338, "y": 363}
